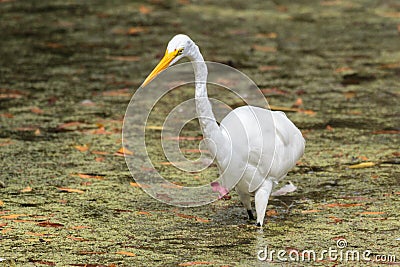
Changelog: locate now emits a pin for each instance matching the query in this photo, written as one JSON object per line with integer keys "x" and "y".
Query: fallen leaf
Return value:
{"x": 336, "y": 219}
{"x": 193, "y": 263}
{"x": 329, "y": 128}
{"x": 202, "y": 220}
{"x": 7, "y": 115}
{"x": 274, "y": 91}
{"x": 263, "y": 68}
{"x": 263, "y": 48}
{"x": 90, "y": 176}
{"x": 271, "y": 213}
{"x": 362, "y": 165}
{"x": 82, "y": 148}
{"x": 3, "y": 224}
{"x": 364, "y": 158}
{"x": 124, "y": 151}
{"x": 307, "y": 112}
{"x": 81, "y": 239}
{"x": 144, "y": 9}
{"x": 50, "y": 224}
{"x": 99, "y": 159}
{"x": 186, "y": 216}
{"x": 343, "y": 69}
{"x": 1, "y": 203}
{"x": 37, "y": 132}
{"x": 70, "y": 190}
{"x": 126, "y": 253}
{"x": 297, "y": 103}
{"x": 11, "y": 93}
{"x": 391, "y": 65}
{"x": 139, "y": 185}
{"x": 26, "y": 189}
{"x": 386, "y": 132}
{"x": 136, "y": 30}
{"x": 271, "y": 35}
{"x": 13, "y": 216}
{"x": 69, "y": 125}
{"x": 349, "y": 94}
{"x": 371, "y": 213}
{"x": 37, "y": 110}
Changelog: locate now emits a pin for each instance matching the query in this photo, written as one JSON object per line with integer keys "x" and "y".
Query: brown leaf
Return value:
{"x": 136, "y": 30}
{"x": 386, "y": 132}
{"x": 70, "y": 190}
{"x": 77, "y": 238}
{"x": 124, "y": 151}
{"x": 50, "y": 224}
{"x": 263, "y": 48}
{"x": 362, "y": 165}
{"x": 202, "y": 220}
{"x": 26, "y": 189}
{"x": 13, "y": 216}
{"x": 297, "y": 103}
{"x": 126, "y": 253}
{"x": 139, "y": 185}
{"x": 144, "y": 9}
{"x": 7, "y": 115}
{"x": 1, "y": 203}
{"x": 329, "y": 128}
{"x": 90, "y": 176}
{"x": 349, "y": 94}
{"x": 274, "y": 91}
{"x": 10, "y": 93}
{"x": 263, "y": 68}
{"x": 343, "y": 69}
{"x": 37, "y": 110}
{"x": 82, "y": 148}
{"x": 69, "y": 125}
{"x": 271, "y": 35}
{"x": 272, "y": 213}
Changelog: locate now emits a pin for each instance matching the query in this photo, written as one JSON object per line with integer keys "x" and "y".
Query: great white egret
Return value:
{"x": 239, "y": 142}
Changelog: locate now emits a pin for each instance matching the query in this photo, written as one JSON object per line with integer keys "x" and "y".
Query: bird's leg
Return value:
{"x": 246, "y": 201}
{"x": 261, "y": 200}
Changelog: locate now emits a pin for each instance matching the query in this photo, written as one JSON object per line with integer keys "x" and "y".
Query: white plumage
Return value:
{"x": 253, "y": 147}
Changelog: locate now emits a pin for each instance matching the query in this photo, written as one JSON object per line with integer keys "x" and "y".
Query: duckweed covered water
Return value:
{"x": 69, "y": 68}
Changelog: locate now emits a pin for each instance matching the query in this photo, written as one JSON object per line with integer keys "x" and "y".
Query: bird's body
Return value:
{"x": 253, "y": 147}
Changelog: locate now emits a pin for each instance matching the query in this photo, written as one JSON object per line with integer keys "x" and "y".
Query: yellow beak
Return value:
{"x": 162, "y": 65}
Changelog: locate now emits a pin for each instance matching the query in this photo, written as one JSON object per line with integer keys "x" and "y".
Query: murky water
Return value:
{"x": 69, "y": 68}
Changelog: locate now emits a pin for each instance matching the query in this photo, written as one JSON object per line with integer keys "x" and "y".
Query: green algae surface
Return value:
{"x": 69, "y": 68}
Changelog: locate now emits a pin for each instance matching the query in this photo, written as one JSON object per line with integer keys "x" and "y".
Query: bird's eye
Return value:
{"x": 180, "y": 51}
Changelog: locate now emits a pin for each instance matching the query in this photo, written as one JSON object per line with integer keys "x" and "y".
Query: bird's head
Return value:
{"x": 179, "y": 47}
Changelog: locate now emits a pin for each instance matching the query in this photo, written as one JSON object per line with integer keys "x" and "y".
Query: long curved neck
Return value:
{"x": 207, "y": 120}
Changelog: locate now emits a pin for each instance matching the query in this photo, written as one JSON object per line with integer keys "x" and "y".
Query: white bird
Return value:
{"x": 253, "y": 147}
